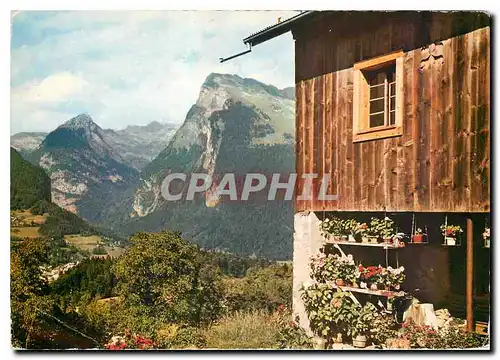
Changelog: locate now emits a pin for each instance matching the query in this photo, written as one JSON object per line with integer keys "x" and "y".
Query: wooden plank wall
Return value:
{"x": 441, "y": 163}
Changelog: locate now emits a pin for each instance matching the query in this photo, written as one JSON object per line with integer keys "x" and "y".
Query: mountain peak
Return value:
{"x": 81, "y": 121}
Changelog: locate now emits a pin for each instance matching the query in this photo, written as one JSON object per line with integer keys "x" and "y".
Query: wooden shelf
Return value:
{"x": 355, "y": 243}
{"x": 385, "y": 293}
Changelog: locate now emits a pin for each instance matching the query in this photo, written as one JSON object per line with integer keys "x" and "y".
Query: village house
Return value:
{"x": 395, "y": 106}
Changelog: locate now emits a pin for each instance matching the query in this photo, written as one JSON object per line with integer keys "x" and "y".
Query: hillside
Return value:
{"x": 81, "y": 163}
{"x": 28, "y": 183}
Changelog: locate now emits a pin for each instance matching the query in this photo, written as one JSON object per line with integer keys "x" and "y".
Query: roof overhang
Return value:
{"x": 277, "y": 30}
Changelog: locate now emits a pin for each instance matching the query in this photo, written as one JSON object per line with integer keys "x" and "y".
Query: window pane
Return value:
{"x": 392, "y": 89}
{"x": 392, "y": 118}
{"x": 377, "y": 91}
{"x": 376, "y": 78}
{"x": 391, "y": 73}
{"x": 377, "y": 105}
{"x": 392, "y": 103}
{"x": 377, "y": 120}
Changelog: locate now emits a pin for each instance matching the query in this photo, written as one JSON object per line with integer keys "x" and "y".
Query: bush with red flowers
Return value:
{"x": 130, "y": 341}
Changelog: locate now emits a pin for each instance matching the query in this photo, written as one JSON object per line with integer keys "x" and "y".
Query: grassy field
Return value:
{"x": 114, "y": 251}
{"x": 83, "y": 242}
{"x": 90, "y": 242}
{"x": 25, "y": 231}
{"x": 27, "y": 216}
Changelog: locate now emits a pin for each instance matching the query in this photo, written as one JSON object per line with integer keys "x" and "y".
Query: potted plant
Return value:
{"x": 395, "y": 277}
{"x": 350, "y": 227}
{"x": 418, "y": 237}
{"x": 362, "y": 231}
{"x": 345, "y": 270}
{"x": 323, "y": 266}
{"x": 374, "y": 230}
{"x": 397, "y": 239}
{"x": 450, "y": 233}
{"x": 486, "y": 237}
{"x": 362, "y": 319}
{"x": 387, "y": 229}
{"x": 370, "y": 276}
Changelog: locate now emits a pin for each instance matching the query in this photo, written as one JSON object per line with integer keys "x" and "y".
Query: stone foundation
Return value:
{"x": 307, "y": 241}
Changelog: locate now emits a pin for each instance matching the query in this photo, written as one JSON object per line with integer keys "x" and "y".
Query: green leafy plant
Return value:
{"x": 330, "y": 312}
{"x": 384, "y": 228}
{"x": 362, "y": 320}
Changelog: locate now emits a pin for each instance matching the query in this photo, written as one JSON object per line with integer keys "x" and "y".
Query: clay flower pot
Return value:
{"x": 417, "y": 238}
{"x": 365, "y": 239}
{"x": 339, "y": 282}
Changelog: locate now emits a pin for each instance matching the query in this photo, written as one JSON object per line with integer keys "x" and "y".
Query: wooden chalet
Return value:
{"x": 395, "y": 107}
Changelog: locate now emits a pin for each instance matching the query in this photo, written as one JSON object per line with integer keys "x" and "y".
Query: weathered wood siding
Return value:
{"x": 441, "y": 163}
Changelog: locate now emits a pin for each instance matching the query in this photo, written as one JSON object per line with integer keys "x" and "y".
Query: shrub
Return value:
{"x": 163, "y": 276}
{"x": 262, "y": 288}
{"x": 452, "y": 337}
{"x": 99, "y": 250}
{"x": 290, "y": 335}
{"x": 174, "y": 336}
{"x": 242, "y": 330}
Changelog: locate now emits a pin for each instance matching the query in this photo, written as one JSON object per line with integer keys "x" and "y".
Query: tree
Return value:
{"x": 28, "y": 290}
{"x": 163, "y": 277}
{"x": 28, "y": 183}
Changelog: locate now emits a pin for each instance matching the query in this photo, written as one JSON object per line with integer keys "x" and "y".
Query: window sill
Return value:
{"x": 377, "y": 133}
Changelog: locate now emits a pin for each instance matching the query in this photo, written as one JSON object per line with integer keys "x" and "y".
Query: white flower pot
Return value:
{"x": 359, "y": 341}
{"x": 351, "y": 238}
{"x": 450, "y": 241}
{"x": 487, "y": 243}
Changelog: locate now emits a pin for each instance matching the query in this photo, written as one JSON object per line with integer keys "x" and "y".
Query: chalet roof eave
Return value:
{"x": 276, "y": 30}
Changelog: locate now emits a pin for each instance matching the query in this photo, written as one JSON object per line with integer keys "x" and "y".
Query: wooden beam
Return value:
{"x": 378, "y": 61}
{"x": 469, "y": 276}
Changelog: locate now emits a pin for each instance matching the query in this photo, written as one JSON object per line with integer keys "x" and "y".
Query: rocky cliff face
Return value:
{"x": 78, "y": 159}
{"x": 230, "y": 110}
{"x": 138, "y": 145}
{"x": 27, "y": 142}
{"x": 236, "y": 125}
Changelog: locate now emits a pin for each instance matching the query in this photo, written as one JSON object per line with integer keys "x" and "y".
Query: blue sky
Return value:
{"x": 134, "y": 67}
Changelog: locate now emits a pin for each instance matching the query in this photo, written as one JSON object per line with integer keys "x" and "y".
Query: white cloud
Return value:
{"x": 51, "y": 90}
{"x": 135, "y": 67}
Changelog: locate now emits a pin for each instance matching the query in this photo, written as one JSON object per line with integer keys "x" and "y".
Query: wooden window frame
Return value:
{"x": 361, "y": 98}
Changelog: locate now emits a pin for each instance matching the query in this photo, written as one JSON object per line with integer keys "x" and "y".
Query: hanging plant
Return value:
{"x": 418, "y": 237}
{"x": 486, "y": 237}
{"x": 450, "y": 233}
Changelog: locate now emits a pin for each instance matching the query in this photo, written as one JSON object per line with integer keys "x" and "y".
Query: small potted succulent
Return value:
{"x": 486, "y": 237}
{"x": 450, "y": 233}
{"x": 418, "y": 237}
